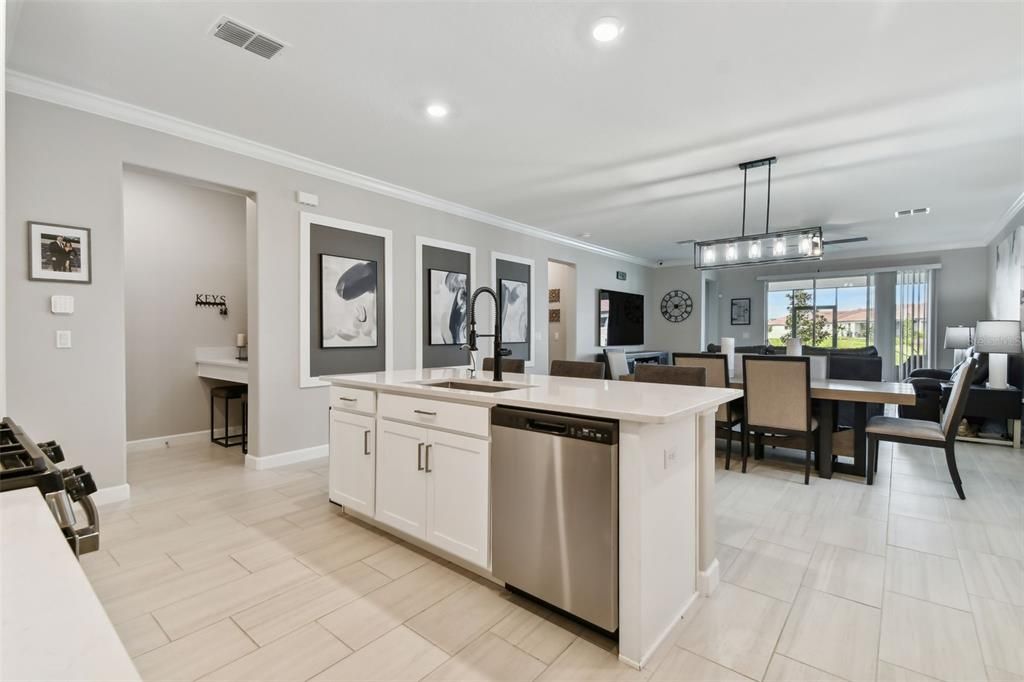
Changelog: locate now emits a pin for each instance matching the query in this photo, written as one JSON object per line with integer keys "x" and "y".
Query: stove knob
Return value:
{"x": 87, "y": 484}
{"x": 52, "y": 450}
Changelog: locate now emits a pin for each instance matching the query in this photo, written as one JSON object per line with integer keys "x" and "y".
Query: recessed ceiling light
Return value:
{"x": 607, "y": 29}
{"x": 437, "y": 110}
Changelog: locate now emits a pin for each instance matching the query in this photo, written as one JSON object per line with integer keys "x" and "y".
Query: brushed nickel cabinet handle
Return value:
{"x": 419, "y": 457}
{"x": 428, "y": 458}
{"x": 425, "y": 412}
{"x": 366, "y": 442}
{"x": 347, "y": 400}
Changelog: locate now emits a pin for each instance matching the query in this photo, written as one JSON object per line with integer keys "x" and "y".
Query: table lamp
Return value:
{"x": 959, "y": 339}
{"x": 997, "y": 338}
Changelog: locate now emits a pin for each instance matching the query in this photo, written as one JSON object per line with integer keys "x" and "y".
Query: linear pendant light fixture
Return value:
{"x": 771, "y": 247}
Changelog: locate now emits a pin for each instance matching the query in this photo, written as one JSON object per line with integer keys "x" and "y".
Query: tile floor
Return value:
{"x": 216, "y": 572}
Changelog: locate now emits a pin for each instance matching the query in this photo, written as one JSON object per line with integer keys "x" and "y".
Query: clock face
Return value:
{"x": 676, "y": 306}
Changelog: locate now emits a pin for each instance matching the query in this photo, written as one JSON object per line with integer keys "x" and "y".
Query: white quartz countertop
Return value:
{"x": 52, "y": 625}
{"x": 622, "y": 400}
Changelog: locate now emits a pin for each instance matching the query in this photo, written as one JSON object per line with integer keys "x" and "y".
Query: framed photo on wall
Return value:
{"x": 740, "y": 311}
{"x": 59, "y": 253}
{"x": 348, "y": 302}
{"x": 515, "y": 312}
{"x": 448, "y": 307}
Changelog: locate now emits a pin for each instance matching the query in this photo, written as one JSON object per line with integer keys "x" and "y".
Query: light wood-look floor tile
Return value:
{"x": 295, "y": 657}
{"x": 855, "y": 532}
{"x": 791, "y": 529}
{"x": 921, "y": 535}
{"x": 534, "y": 634}
{"x": 768, "y": 568}
{"x": 846, "y": 573}
{"x": 307, "y": 601}
{"x": 584, "y": 661}
{"x": 461, "y": 617}
{"x": 783, "y": 669}
{"x": 832, "y": 634}
{"x": 681, "y": 665}
{"x": 887, "y": 672}
{"x": 369, "y": 617}
{"x": 189, "y": 615}
{"x": 172, "y": 590}
{"x": 114, "y": 583}
{"x": 396, "y": 561}
{"x": 993, "y": 577}
{"x": 141, "y": 634}
{"x": 930, "y": 639}
{"x": 736, "y": 628}
{"x": 193, "y": 656}
{"x": 400, "y": 655}
{"x": 489, "y": 658}
{"x": 1001, "y": 632}
{"x": 926, "y": 576}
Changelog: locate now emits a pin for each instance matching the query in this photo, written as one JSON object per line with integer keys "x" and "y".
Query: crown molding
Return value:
{"x": 1004, "y": 220}
{"x": 64, "y": 95}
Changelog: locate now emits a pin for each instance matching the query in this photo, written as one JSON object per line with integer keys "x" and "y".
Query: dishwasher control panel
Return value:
{"x": 603, "y": 431}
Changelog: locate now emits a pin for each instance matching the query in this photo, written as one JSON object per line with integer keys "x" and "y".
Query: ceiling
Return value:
{"x": 870, "y": 107}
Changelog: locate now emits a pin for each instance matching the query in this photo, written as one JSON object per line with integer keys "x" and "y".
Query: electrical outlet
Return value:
{"x": 63, "y": 338}
{"x": 670, "y": 457}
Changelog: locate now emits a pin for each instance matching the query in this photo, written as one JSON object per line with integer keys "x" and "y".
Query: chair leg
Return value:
{"x": 728, "y": 445}
{"x": 746, "y": 448}
{"x": 953, "y": 472}
{"x": 872, "y": 463}
{"x": 807, "y": 461}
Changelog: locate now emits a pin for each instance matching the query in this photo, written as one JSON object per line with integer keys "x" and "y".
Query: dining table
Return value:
{"x": 826, "y": 392}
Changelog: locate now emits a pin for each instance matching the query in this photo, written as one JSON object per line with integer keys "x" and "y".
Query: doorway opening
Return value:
{"x": 187, "y": 282}
{"x": 561, "y": 311}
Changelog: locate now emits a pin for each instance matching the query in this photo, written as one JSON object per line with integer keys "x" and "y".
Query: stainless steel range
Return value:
{"x": 27, "y": 464}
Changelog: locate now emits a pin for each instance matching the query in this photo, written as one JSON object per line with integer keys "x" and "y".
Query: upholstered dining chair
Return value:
{"x": 510, "y": 365}
{"x": 667, "y": 374}
{"x": 615, "y": 359}
{"x": 716, "y": 365}
{"x": 578, "y": 370}
{"x": 777, "y": 401}
{"x": 928, "y": 434}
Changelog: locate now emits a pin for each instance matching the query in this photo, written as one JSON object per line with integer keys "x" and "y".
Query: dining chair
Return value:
{"x": 925, "y": 433}
{"x": 576, "y": 369}
{"x": 667, "y": 374}
{"x": 615, "y": 359}
{"x": 716, "y": 366}
{"x": 510, "y": 365}
{"x": 777, "y": 401}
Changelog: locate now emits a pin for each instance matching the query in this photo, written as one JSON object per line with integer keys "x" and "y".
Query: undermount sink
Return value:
{"x": 478, "y": 386}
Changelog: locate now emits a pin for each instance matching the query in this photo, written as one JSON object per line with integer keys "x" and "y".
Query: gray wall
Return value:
{"x": 520, "y": 272}
{"x": 562, "y": 276}
{"x": 435, "y": 258}
{"x": 960, "y": 290}
{"x": 67, "y": 168}
{"x": 180, "y": 240}
{"x": 675, "y": 336}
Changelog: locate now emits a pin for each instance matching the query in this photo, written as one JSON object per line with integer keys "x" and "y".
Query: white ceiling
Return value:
{"x": 870, "y": 107}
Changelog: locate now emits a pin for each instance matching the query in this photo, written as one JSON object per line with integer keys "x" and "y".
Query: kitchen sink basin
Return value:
{"x": 478, "y": 386}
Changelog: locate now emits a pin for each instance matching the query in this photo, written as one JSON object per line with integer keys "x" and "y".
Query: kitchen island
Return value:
{"x": 381, "y": 423}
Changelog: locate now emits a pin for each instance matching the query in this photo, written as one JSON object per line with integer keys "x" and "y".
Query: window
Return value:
{"x": 913, "y": 302}
{"x": 827, "y": 312}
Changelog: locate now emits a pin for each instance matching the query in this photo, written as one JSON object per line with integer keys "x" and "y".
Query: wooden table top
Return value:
{"x": 890, "y": 392}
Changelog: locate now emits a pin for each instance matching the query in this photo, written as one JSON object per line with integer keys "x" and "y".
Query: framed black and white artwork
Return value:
{"x": 448, "y": 307}
{"x": 348, "y": 302}
{"x": 740, "y": 311}
{"x": 60, "y": 253}
{"x": 515, "y": 313}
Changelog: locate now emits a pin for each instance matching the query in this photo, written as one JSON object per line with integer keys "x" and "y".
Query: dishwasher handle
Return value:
{"x": 557, "y": 428}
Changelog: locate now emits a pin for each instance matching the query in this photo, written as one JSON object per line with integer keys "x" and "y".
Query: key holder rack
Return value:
{"x": 213, "y": 301}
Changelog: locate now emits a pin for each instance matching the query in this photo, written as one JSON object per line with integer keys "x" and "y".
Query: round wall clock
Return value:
{"x": 676, "y": 306}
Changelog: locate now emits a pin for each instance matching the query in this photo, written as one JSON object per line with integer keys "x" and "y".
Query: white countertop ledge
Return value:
{"x": 622, "y": 400}
{"x": 52, "y": 625}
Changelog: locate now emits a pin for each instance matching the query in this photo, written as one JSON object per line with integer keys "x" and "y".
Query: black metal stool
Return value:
{"x": 229, "y": 393}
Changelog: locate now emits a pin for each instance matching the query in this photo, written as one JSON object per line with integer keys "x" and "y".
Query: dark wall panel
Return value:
{"x": 335, "y": 242}
{"x": 435, "y": 258}
{"x": 521, "y": 273}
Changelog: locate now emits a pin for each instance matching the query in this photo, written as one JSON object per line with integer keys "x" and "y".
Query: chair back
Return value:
{"x": 616, "y": 361}
{"x": 510, "y": 365}
{"x": 576, "y": 369}
{"x": 856, "y": 368}
{"x": 958, "y": 399}
{"x": 777, "y": 392}
{"x": 667, "y": 374}
{"x": 716, "y": 369}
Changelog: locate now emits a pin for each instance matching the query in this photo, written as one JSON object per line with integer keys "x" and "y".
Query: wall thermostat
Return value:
{"x": 62, "y": 305}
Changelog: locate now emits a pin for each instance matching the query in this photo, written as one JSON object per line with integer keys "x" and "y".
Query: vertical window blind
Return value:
{"x": 913, "y": 320}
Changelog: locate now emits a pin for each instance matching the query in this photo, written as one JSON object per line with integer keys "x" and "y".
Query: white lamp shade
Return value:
{"x": 958, "y": 338}
{"x": 997, "y": 336}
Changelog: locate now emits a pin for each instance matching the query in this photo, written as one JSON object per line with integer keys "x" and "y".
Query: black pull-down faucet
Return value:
{"x": 499, "y": 352}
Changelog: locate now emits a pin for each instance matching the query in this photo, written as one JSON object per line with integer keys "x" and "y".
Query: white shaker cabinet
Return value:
{"x": 351, "y": 461}
{"x": 457, "y": 495}
{"x": 401, "y": 478}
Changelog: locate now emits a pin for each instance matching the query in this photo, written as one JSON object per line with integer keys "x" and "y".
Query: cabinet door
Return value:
{"x": 457, "y": 496}
{"x": 401, "y": 474}
{"x": 352, "y": 461}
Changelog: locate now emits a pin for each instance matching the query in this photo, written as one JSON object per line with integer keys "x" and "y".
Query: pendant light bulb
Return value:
{"x": 730, "y": 252}
{"x": 780, "y": 247}
{"x": 755, "y": 250}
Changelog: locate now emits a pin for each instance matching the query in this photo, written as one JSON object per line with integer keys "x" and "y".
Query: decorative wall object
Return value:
{"x": 554, "y": 315}
{"x": 740, "y": 308}
{"x": 59, "y": 253}
{"x": 554, "y": 295}
{"x": 348, "y": 302}
{"x": 213, "y": 301}
{"x": 1009, "y": 283}
{"x": 448, "y": 307}
{"x": 515, "y": 313}
{"x": 676, "y": 306}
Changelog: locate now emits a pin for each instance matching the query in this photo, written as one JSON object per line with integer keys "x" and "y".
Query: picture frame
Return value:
{"x": 739, "y": 312}
{"x": 348, "y": 302}
{"x": 515, "y": 311}
{"x": 447, "y": 307}
{"x": 59, "y": 253}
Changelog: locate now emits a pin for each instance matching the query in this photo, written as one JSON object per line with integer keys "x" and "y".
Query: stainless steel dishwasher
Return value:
{"x": 555, "y": 510}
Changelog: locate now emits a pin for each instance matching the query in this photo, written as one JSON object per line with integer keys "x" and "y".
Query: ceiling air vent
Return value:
{"x": 913, "y": 211}
{"x": 238, "y": 35}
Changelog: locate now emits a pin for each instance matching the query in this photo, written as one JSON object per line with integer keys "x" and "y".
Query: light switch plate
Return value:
{"x": 670, "y": 457}
{"x": 62, "y": 305}
{"x": 63, "y": 338}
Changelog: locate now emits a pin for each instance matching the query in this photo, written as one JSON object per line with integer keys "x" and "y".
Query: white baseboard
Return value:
{"x": 283, "y": 458}
{"x": 707, "y": 581}
{"x": 191, "y": 438}
{"x": 111, "y": 494}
